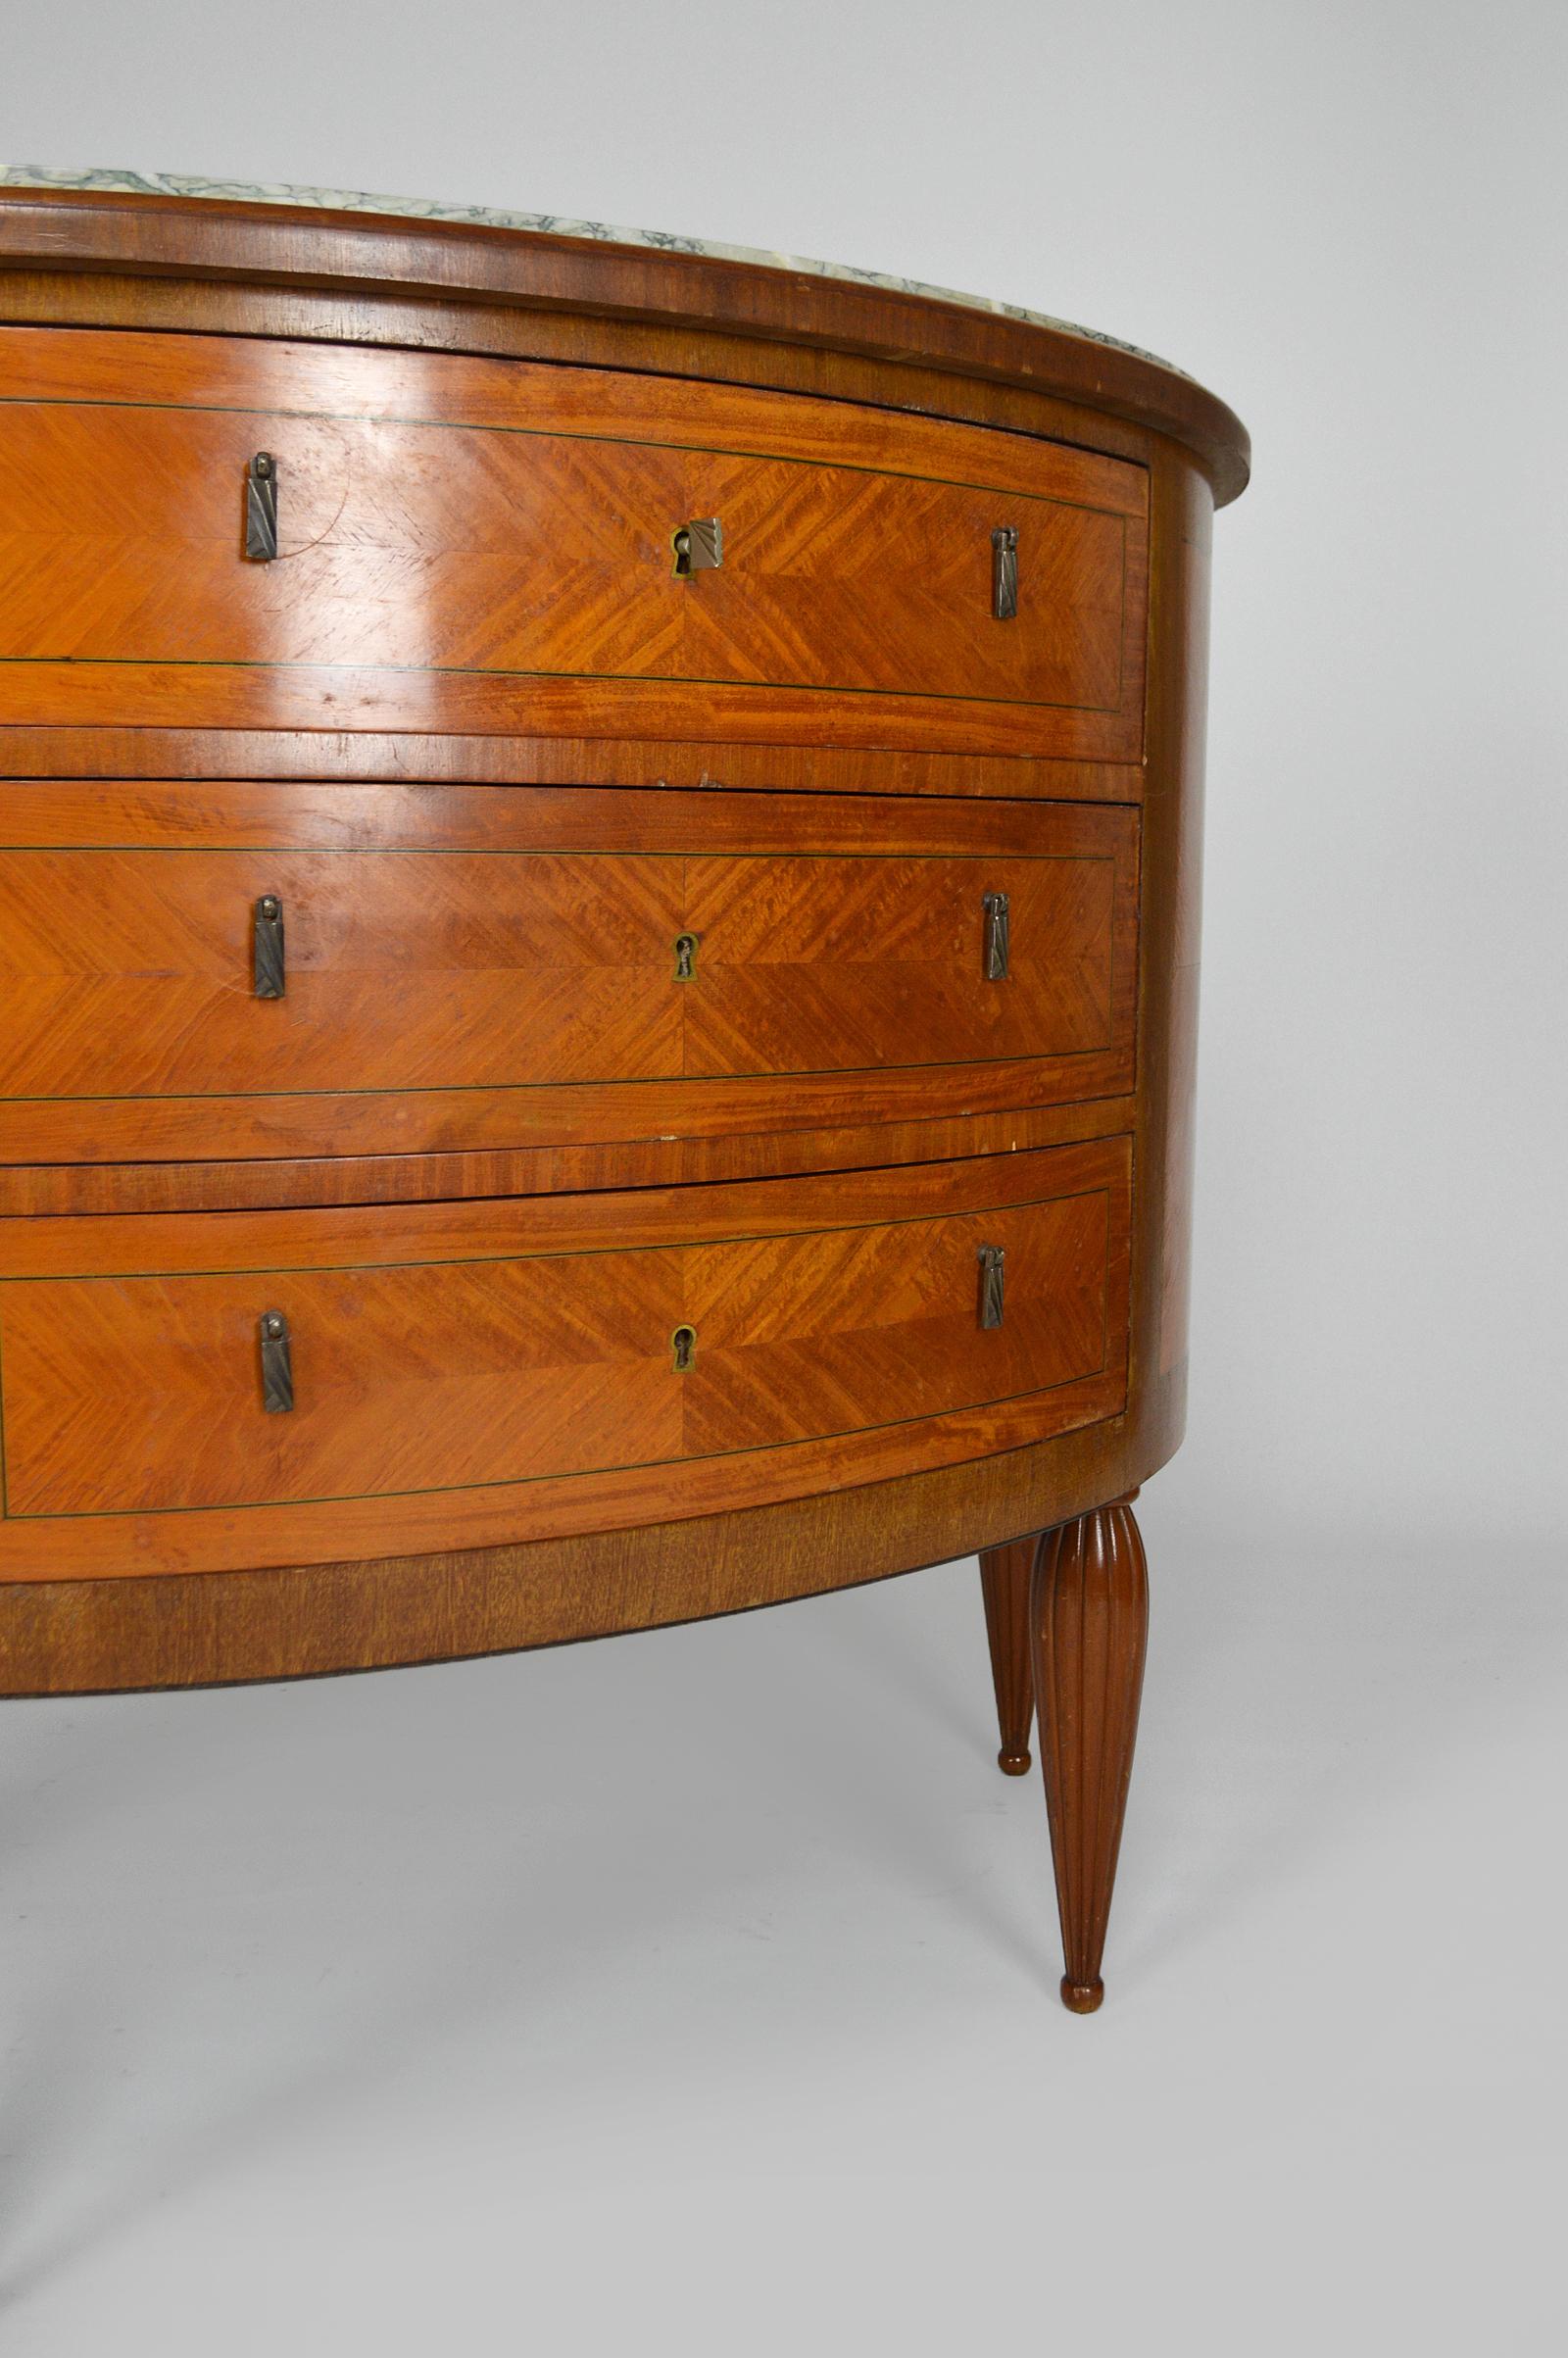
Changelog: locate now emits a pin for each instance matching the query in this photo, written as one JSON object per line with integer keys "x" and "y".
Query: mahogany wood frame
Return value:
{"x": 1066, "y": 1616}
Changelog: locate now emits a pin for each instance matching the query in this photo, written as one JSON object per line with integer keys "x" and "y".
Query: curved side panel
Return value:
{"x": 1181, "y": 531}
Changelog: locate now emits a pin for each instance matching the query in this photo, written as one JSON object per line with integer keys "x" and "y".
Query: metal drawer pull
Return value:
{"x": 1005, "y": 572}
{"x": 699, "y": 547}
{"x": 277, "y": 1372}
{"x": 999, "y": 935}
{"x": 686, "y": 957}
{"x": 267, "y": 947}
{"x": 261, "y": 507}
{"x": 992, "y": 1269}
{"x": 683, "y": 1348}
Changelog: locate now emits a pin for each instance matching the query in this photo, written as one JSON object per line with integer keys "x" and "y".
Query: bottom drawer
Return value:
{"x": 472, "y": 1353}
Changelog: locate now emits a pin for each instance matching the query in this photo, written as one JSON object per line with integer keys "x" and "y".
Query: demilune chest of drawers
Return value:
{"x": 598, "y": 946}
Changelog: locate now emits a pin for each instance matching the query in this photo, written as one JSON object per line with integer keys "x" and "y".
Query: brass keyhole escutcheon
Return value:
{"x": 686, "y": 957}
{"x": 683, "y": 1348}
{"x": 698, "y": 546}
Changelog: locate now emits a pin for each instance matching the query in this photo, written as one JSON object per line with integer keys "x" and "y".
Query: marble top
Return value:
{"x": 428, "y": 209}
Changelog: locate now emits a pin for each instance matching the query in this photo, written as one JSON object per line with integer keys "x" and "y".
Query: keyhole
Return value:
{"x": 683, "y": 1348}
{"x": 686, "y": 957}
{"x": 698, "y": 547}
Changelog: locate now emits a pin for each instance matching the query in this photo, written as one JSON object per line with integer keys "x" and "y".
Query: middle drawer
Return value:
{"x": 604, "y": 938}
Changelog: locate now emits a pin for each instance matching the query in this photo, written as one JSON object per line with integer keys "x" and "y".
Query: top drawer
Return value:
{"x": 469, "y": 542}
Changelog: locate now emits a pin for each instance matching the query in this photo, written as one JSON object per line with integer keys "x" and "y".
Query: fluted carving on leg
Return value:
{"x": 1089, "y": 1625}
{"x": 1004, "y": 1574}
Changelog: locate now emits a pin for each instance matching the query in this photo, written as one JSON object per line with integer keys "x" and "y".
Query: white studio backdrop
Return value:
{"x": 698, "y": 1992}
{"x": 1349, "y": 220}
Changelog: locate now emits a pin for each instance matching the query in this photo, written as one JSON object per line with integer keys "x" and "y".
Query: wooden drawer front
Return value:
{"x": 143, "y": 1391}
{"x": 809, "y": 965}
{"x": 130, "y": 972}
{"x": 528, "y": 552}
{"x": 472, "y": 551}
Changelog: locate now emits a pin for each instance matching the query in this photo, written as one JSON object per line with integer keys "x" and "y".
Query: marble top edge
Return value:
{"x": 426, "y": 209}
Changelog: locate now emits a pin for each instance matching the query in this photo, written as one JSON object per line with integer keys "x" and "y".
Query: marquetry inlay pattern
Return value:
{"x": 422, "y": 547}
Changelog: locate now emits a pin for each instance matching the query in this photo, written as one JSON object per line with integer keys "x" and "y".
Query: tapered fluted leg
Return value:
{"x": 1004, "y": 1582}
{"x": 1089, "y": 1626}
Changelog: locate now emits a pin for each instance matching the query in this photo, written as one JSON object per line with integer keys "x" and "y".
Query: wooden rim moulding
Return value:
{"x": 475, "y": 270}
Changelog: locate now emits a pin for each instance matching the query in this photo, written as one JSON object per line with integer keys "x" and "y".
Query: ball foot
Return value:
{"x": 1082, "y": 1997}
{"x": 1013, "y": 1764}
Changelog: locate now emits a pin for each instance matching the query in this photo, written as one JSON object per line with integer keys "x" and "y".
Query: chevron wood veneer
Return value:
{"x": 535, "y": 1346}
{"x": 127, "y": 971}
{"x": 595, "y": 1029}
